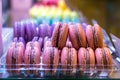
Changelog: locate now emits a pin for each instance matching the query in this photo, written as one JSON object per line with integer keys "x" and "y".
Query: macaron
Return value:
{"x": 103, "y": 59}
{"x": 94, "y": 36}
{"x": 14, "y": 57}
{"x": 59, "y": 36}
{"x": 31, "y": 31}
{"x": 44, "y": 30}
{"x": 68, "y": 60}
{"x": 19, "y": 29}
{"x": 86, "y": 59}
{"x": 50, "y": 60}
{"x": 77, "y": 36}
{"x": 32, "y": 58}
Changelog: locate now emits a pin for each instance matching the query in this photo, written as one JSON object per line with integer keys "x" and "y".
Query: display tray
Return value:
{"x": 68, "y": 72}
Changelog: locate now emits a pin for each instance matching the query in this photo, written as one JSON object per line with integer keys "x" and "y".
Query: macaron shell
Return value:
{"x": 108, "y": 58}
{"x": 92, "y": 58}
{"x": 28, "y": 32}
{"x": 73, "y": 60}
{"x": 44, "y": 30}
{"x": 81, "y": 36}
{"x": 22, "y": 49}
{"x": 36, "y": 59}
{"x": 89, "y": 36}
{"x": 64, "y": 54}
{"x": 82, "y": 59}
{"x": 98, "y": 36}
{"x": 63, "y": 35}
{"x": 64, "y": 57}
{"x": 55, "y": 35}
{"x": 48, "y": 31}
{"x": 19, "y": 30}
{"x": 99, "y": 59}
{"x": 34, "y": 31}
{"x": 27, "y": 58}
{"x": 31, "y": 31}
{"x": 22, "y": 30}
{"x": 46, "y": 57}
{"x": 56, "y": 60}
{"x": 72, "y": 36}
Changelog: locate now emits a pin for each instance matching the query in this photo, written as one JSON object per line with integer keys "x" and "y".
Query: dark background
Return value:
{"x": 106, "y": 12}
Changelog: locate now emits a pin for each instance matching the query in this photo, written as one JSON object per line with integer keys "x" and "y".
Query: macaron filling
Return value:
{"x": 77, "y": 37}
{"x": 56, "y": 40}
{"x": 32, "y": 52}
{"x": 69, "y": 59}
{"x": 95, "y": 38}
{"x": 31, "y": 57}
{"x": 104, "y": 58}
{"x": 14, "y": 53}
{"x": 87, "y": 59}
{"x": 51, "y": 58}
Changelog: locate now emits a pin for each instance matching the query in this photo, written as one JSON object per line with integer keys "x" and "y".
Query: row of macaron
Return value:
{"x": 49, "y": 14}
{"x": 79, "y": 35}
{"x": 32, "y": 56}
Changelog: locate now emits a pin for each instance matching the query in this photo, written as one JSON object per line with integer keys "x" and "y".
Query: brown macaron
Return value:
{"x": 94, "y": 36}
{"x": 69, "y": 60}
{"x": 14, "y": 57}
{"x": 77, "y": 36}
{"x": 86, "y": 59}
{"x": 32, "y": 57}
{"x": 50, "y": 60}
{"x": 103, "y": 58}
{"x": 59, "y": 36}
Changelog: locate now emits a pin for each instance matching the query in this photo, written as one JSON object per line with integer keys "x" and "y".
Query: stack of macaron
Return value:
{"x": 20, "y": 54}
{"x": 70, "y": 46}
{"x": 53, "y": 13}
{"x": 32, "y": 55}
{"x": 15, "y": 54}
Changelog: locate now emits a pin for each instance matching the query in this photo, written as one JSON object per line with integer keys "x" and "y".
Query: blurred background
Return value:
{"x": 105, "y": 12}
